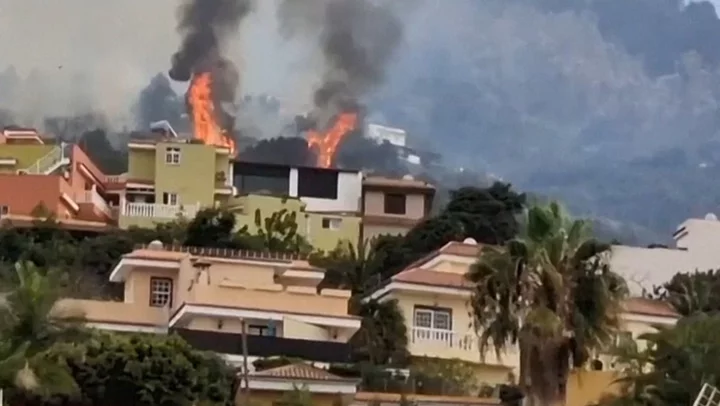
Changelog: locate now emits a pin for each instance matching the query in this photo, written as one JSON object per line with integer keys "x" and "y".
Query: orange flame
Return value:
{"x": 205, "y": 126}
{"x": 327, "y": 145}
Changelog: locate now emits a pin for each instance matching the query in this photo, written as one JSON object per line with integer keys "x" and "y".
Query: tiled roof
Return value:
{"x": 649, "y": 307}
{"x": 380, "y": 181}
{"x": 414, "y": 274}
{"x": 300, "y": 371}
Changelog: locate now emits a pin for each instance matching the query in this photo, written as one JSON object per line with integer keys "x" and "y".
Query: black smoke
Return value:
{"x": 357, "y": 38}
{"x": 205, "y": 25}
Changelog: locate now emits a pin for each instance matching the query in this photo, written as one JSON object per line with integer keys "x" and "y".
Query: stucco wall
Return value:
{"x": 26, "y": 155}
{"x": 24, "y": 192}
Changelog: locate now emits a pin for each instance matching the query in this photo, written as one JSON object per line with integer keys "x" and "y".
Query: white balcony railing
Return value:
{"x": 164, "y": 211}
{"x": 444, "y": 338}
{"x": 115, "y": 178}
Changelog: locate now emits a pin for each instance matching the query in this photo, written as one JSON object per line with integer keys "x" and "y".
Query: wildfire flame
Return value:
{"x": 327, "y": 144}
{"x": 205, "y": 126}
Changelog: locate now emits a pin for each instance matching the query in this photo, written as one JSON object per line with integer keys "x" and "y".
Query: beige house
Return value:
{"x": 433, "y": 296}
{"x": 205, "y": 294}
{"x": 394, "y": 206}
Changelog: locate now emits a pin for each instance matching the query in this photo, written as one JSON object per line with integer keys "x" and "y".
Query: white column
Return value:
{"x": 293, "y": 192}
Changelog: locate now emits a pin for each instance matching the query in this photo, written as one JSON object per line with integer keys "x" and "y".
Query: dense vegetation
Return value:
{"x": 538, "y": 254}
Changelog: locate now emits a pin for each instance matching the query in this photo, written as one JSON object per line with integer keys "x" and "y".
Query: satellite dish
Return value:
{"x": 470, "y": 241}
{"x": 711, "y": 217}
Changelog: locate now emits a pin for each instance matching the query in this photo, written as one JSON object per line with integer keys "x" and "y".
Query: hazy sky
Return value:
{"x": 112, "y": 49}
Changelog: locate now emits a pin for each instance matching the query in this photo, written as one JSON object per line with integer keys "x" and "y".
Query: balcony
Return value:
{"x": 159, "y": 211}
{"x": 94, "y": 198}
{"x": 109, "y": 313}
{"x": 267, "y": 346}
{"x": 439, "y": 343}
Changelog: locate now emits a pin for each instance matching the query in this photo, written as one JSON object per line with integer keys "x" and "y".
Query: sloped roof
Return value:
{"x": 300, "y": 371}
{"x": 415, "y": 275}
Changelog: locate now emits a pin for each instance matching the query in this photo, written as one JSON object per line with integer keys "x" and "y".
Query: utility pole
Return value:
{"x": 246, "y": 372}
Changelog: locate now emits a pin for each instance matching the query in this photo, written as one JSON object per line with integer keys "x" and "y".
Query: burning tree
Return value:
{"x": 213, "y": 78}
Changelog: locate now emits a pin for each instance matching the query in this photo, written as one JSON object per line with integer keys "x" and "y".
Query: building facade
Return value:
{"x": 433, "y": 296}
{"x": 42, "y": 179}
{"x": 394, "y": 206}
{"x": 205, "y": 295}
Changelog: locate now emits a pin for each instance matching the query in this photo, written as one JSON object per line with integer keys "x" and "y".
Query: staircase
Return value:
{"x": 57, "y": 157}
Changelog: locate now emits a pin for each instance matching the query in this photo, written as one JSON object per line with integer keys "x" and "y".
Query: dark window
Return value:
{"x": 261, "y": 330}
{"x": 4, "y": 210}
{"x": 318, "y": 183}
{"x": 261, "y": 179}
{"x": 395, "y": 203}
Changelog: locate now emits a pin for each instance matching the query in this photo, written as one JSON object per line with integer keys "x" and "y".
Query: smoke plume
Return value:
{"x": 357, "y": 39}
{"x": 205, "y": 26}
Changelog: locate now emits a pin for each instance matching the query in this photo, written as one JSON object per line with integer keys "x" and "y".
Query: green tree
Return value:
{"x": 279, "y": 232}
{"x": 488, "y": 215}
{"x": 692, "y": 292}
{"x": 550, "y": 291}
{"x": 29, "y": 324}
{"x": 136, "y": 369}
{"x": 382, "y": 338}
{"x": 30, "y": 317}
{"x": 349, "y": 267}
{"x": 212, "y": 227}
{"x": 673, "y": 367}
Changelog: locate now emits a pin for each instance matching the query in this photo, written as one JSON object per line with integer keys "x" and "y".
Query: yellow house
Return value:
{"x": 205, "y": 295}
{"x": 172, "y": 177}
{"x": 324, "y": 231}
{"x": 433, "y": 296}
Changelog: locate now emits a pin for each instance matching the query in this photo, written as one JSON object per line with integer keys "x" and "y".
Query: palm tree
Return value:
{"x": 30, "y": 315}
{"x": 29, "y": 325}
{"x": 382, "y": 336}
{"x": 349, "y": 267}
{"x": 550, "y": 291}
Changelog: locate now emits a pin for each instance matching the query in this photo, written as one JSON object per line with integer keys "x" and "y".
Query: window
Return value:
{"x": 427, "y": 317}
{"x": 161, "y": 290}
{"x": 172, "y": 156}
{"x": 261, "y": 330}
{"x": 4, "y": 210}
{"x": 395, "y": 203}
{"x": 170, "y": 199}
{"x": 331, "y": 223}
{"x": 318, "y": 183}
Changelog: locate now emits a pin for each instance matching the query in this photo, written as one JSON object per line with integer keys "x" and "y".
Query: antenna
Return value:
{"x": 163, "y": 125}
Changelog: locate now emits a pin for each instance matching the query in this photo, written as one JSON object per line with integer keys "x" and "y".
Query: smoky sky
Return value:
{"x": 204, "y": 26}
{"x": 357, "y": 40}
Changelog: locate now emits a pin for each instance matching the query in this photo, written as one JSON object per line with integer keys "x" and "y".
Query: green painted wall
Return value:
{"x": 141, "y": 164}
{"x": 309, "y": 224}
{"x": 193, "y": 179}
{"x": 26, "y": 155}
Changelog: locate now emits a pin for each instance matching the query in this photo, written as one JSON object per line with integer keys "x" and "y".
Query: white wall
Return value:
{"x": 348, "y": 198}
{"x": 395, "y": 136}
{"x": 647, "y": 267}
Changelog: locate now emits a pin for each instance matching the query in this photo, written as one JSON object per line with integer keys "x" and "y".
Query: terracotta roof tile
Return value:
{"x": 649, "y": 307}
{"x": 300, "y": 371}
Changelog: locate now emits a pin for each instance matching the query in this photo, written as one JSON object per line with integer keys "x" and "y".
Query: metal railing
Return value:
{"x": 163, "y": 211}
{"x": 228, "y": 252}
{"x": 48, "y": 161}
